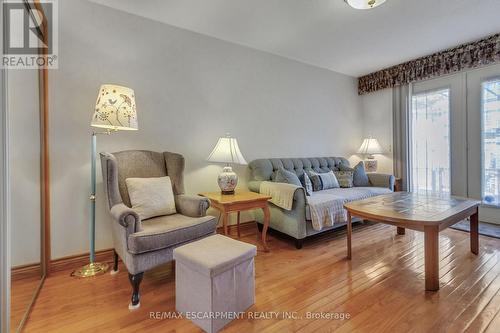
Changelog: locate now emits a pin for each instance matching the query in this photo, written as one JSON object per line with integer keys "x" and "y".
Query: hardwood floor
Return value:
{"x": 381, "y": 289}
{"x": 22, "y": 291}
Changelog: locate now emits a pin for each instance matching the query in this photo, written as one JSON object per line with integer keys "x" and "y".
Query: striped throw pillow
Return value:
{"x": 323, "y": 181}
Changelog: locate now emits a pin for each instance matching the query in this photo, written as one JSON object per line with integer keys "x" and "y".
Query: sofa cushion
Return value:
{"x": 285, "y": 176}
{"x": 359, "y": 174}
{"x": 345, "y": 178}
{"x": 151, "y": 197}
{"x": 323, "y": 181}
{"x": 339, "y": 196}
{"x": 166, "y": 231}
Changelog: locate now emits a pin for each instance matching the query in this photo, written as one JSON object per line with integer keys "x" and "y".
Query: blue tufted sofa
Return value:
{"x": 296, "y": 222}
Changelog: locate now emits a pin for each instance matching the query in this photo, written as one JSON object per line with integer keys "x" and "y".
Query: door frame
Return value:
{"x": 4, "y": 200}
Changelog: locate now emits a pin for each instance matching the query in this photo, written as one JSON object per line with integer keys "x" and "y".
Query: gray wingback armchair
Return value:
{"x": 143, "y": 245}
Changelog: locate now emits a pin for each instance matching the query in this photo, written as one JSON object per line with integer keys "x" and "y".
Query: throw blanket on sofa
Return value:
{"x": 281, "y": 193}
{"x": 327, "y": 207}
{"x": 325, "y": 210}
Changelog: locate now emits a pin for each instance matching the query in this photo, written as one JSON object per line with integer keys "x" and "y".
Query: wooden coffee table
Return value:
{"x": 427, "y": 213}
{"x": 238, "y": 202}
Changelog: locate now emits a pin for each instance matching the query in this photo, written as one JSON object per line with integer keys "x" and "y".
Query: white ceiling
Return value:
{"x": 329, "y": 33}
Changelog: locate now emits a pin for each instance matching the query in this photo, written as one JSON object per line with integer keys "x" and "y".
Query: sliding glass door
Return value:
{"x": 430, "y": 143}
{"x": 483, "y": 132}
{"x": 490, "y": 114}
{"x": 438, "y": 158}
{"x": 455, "y": 138}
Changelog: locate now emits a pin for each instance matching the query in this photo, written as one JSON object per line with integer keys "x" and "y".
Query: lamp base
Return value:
{"x": 90, "y": 270}
{"x": 227, "y": 180}
{"x": 227, "y": 192}
{"x": 370, "y": 165}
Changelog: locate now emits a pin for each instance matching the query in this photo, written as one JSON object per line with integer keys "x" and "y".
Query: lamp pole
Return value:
{"x": 92, "y": 191}
{"x": 92, "y": 197}
{"x": 93, "y": 268}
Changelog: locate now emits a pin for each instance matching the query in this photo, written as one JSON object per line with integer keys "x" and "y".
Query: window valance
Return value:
{"x": 466, "y": 56}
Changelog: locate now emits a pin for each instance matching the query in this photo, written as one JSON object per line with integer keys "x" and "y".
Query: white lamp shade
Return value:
{"x": 364, "y": 4}
{"x": 370, "y": 146}
{"x": 226, "y": 151}
{"x": 115, "y": 108}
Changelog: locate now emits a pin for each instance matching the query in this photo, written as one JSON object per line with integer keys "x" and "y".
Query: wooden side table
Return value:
{"x": 238, "y": 202}
{"x": 398, "y": 184}
{"x": 398, "y": 187}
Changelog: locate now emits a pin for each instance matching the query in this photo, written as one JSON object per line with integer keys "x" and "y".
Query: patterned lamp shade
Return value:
{"x": 115, "y": 108}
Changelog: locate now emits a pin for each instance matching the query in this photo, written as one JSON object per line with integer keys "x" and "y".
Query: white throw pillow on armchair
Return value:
{"x": 151, "y": 197}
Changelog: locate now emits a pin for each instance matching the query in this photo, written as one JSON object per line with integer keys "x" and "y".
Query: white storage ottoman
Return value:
{"x": 214, "y": 280}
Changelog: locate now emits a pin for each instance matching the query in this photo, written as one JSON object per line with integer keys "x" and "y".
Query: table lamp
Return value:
{"x": 114, "y": 111}
{"x": 227, "y": 151}
{"x": 369, "y": 147}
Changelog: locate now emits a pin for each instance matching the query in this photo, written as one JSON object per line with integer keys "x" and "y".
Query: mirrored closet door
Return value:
{"x": 27, "y": 110}
{"x": 25, "y": 181}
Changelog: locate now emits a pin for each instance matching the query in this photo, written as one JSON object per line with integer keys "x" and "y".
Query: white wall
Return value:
{"x": 377, "y": 122}
{"x": 190, "y": 89}
{"x": 24, "y": 151}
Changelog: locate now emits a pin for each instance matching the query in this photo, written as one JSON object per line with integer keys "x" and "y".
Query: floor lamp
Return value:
{"x": 114, "y": 111}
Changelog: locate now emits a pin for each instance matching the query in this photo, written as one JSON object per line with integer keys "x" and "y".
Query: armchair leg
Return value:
{"x": 298, "y": 243}
{"x": 135, "y": 281}
{"x": 115, "y": 263}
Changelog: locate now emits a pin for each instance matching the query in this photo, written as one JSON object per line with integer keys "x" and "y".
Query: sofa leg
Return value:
{"x": 115, "y": 263}
{"x": 298, "y": 243}
{"x": 135, "y": 281}
{"x": 260, "y": 227}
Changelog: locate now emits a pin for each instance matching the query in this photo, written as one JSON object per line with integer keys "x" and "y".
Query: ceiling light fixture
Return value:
{"x": 364, "y": 4}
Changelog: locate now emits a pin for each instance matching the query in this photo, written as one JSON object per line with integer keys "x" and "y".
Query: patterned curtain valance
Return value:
{"x": 471, "y": 55}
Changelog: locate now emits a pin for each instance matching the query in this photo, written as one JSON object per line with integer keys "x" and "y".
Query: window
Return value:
{"x": 490, "y": 105}
{"x": 430, "y": 142}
